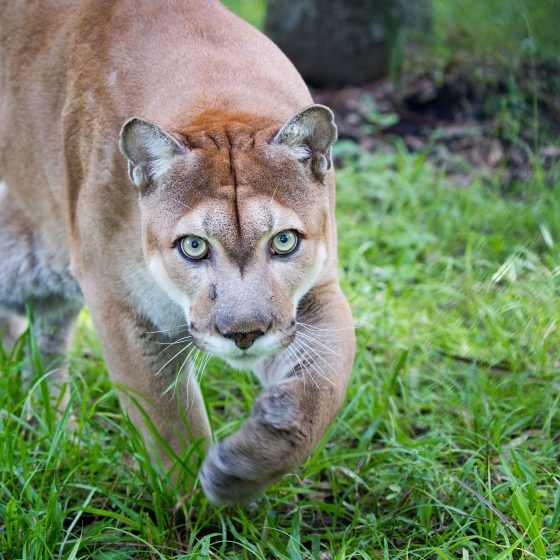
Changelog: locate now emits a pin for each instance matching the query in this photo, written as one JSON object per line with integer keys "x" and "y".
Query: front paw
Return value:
{"x": 222, "y": 481}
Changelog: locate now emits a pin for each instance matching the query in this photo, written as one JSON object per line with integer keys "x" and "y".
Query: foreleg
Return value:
{"x": 291, "y": 415}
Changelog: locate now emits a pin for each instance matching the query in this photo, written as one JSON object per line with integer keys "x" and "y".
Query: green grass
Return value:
{"x": 448, "y": 445}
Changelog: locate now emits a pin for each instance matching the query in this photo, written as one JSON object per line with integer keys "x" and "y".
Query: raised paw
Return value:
{"x": 222, "y": 482}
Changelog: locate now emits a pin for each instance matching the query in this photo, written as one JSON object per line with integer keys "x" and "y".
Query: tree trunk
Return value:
{"x": 342, "y": 42}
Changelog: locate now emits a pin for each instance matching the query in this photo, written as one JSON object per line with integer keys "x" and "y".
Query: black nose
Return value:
{"x": 244, "y": 340}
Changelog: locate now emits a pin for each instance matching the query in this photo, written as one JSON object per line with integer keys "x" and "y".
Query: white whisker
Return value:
{"x": 191, "y": 367}
{"x": 187, "y": 339}
{"x": 287, "y": 361}
{"x": 304, "y": 344}
{"x": 314, "y": 366}
{"x": 205, "y": 360}
{"x": 182, "y": 326}
{"x": 199, "y": 372}
{"x": 178, "y": 376}
{"x": 322, "y": 329}
{"x": 324, "y": 346}
{"x": 171, "y": 359}
{"x": 178, "y": 341}
{"x": 301, "y": 352}
{"x": 293, "y": 360}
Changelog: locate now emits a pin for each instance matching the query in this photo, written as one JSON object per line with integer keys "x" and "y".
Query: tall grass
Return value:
{"x": 447, "y": 446}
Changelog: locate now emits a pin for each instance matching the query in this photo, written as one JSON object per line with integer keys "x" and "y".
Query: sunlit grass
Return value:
{"x": 447, "y": 446}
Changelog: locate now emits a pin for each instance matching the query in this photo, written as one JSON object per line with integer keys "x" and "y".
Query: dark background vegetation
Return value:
{"x": 484, "y": 74}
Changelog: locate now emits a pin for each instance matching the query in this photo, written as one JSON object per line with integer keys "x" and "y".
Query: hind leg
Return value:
{"x": 53, "y": 324}
{"x": 33, "y": 275}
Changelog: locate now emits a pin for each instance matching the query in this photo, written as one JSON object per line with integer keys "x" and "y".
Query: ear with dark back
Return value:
{"x": 149, "y": 150}
{"x": 310, "y": 135}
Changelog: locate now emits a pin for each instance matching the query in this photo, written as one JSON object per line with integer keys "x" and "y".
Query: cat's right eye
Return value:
{"x": 193, "y": 247}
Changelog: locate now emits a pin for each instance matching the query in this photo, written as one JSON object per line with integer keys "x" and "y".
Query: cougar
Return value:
{"x": 163, "y": 163}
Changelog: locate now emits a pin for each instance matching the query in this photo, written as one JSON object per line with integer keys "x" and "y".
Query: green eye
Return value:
{"x": 193, "y": 247}
{"x": 284, "y": 242}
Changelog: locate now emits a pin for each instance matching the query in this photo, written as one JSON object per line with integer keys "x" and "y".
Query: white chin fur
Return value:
{"x": 265, "y": 347}
{"x": 244, "y": 363}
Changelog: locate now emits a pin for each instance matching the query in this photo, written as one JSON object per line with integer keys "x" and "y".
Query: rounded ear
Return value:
{"x": 310, "y": 135}
{"x": 149, "y": 150}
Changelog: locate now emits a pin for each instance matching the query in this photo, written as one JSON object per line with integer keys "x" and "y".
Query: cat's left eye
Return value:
{"x": 284, "y": 242}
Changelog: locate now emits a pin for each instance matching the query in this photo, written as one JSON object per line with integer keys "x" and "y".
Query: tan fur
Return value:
{"x": 221, "y": 149}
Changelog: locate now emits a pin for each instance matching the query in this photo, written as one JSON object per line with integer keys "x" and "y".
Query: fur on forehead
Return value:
{"x": 206, "y": 183}
{"x": 259, "y": 216}
{"x": 215, "y": 130}
{"x": 232, "y": 158}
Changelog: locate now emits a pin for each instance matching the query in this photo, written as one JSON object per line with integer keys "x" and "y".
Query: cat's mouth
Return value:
{"x": 265, "y": 346}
